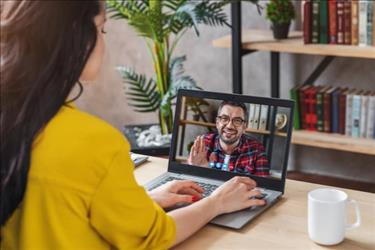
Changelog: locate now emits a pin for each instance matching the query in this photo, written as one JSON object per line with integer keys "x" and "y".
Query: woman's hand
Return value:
{"x": 235, "y": 195}
{"x": 177, "y": 191}
{"x": 198, "y": 153}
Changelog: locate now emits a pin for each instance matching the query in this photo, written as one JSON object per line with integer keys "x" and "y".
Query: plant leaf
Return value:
{"x": 127, "y": 8}
{"x": 177, "y": 81}
{"x": 176, "y": 68}
{"x": 143, "y": 94}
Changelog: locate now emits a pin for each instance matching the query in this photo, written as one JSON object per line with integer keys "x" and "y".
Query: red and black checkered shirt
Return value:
{"x": 248, "y": 157}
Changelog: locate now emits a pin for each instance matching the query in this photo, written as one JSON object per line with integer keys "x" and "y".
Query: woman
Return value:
{"x": 66, "y": 176}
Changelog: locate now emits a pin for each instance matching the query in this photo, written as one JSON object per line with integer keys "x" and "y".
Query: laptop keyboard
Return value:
{"x": 208, "y": 188}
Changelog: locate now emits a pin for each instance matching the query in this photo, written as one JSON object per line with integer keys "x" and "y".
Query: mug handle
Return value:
{"x": 358, "y": 216}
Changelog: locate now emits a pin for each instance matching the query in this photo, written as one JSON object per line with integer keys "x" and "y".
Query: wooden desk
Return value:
{"x": 283, "y": 226}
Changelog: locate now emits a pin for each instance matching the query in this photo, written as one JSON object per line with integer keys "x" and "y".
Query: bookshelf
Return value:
{"x": 252, "y": 40}
{"x": 312, "y": 138}
{"x": 213, "y": 125}
{"x": 333, "y": 141}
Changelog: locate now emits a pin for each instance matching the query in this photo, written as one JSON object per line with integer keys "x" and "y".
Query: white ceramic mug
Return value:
{"x": 327, "y": 213}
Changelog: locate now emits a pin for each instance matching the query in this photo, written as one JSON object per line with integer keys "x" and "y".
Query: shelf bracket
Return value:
{"x": 248, "y": 51}
{"x": 319, "y": 70}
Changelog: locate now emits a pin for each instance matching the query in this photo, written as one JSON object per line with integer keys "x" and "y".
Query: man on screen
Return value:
{"x": 229, "y": 148}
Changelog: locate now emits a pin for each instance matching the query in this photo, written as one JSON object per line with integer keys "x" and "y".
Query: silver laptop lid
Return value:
{"x": 218, "y": 136}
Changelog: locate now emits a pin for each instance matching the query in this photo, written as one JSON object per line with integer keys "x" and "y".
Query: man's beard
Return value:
{"x": 229, "y": 141}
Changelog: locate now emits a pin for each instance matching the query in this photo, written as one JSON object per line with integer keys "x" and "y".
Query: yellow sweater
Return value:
{"x": 81, "y": 193}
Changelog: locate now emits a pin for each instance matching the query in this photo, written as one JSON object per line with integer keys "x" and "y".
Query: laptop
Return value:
{"x": 269, "y": 123}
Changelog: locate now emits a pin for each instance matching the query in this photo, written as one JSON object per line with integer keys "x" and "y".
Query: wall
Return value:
{"x": 211, "y": 67}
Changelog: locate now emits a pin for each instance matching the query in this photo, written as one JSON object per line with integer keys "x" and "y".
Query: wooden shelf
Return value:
{"x": 334, "y": 141}
{"x": 263, "y": 40}
{"x": 314, "y": 139}
{"x": 213, "y": 125}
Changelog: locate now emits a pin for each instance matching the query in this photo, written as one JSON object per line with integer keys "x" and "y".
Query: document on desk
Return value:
{"x": 138, "y": 159}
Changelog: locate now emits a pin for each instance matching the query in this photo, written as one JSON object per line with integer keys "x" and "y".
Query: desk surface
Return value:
{"x": 283, "y": 226}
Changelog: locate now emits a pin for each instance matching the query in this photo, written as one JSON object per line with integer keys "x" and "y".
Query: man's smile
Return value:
{"x": 228, "y": 132}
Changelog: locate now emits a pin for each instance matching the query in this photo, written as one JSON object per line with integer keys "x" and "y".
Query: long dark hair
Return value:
{"x": 44, "y": 48}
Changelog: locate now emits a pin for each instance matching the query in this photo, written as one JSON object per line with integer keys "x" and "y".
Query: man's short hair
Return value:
{"x": 234, "y": 104}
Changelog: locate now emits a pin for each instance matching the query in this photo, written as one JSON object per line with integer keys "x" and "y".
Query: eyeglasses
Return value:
{"x": 236, "y": 121}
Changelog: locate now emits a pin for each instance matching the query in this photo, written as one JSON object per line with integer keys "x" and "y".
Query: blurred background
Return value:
{"x": 211, "y": 68}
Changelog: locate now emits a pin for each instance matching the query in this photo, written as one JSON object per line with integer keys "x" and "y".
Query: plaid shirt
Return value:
{"x": 248, "y": 157}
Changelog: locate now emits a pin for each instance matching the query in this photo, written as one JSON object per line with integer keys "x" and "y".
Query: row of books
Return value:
{"x": 339, "y": 110}
{"x": 349, "y": 22}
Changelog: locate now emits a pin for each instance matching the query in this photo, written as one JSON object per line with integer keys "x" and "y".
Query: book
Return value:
{"x": 332, "y": 16}
{"x": 340, "y": 21}
{"x": 310, "y": 101}
{"x": 251, "y": 115}
{"x": 364, "y": 114}
{"x": 323, "y": 22}
{"x": 296, "y": 116}
{"x": 356, "y": 114}
{"x": 320, "y": 108}
{"x": 370, "y": 7}
{"x": 256, "y": 116}
{"x": 315, "y": 22}
{"x": 327, "y": 109}
{"x": 263, "y": 117}
{"x": 302, "y": 9}
{"x": 335, "y": 110}
{"x": 348, "y": 112}
{"x": 362, "y": 25}
{"x": 371, "y": 117}
{"x": 306, "y": 21}
{"x": 347, "y": 22}
{"x": 302, "y": 106}
{"x": 354, "y": 22}
{"x": 342, "y": 111}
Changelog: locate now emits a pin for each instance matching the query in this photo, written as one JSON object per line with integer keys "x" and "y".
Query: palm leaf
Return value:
{"x": 211, "y": 13}
{"x": 143, "y": 25}
{"x": 142, "y": 94}
{"x": 177, "y": 81}
{"x": 173, "y": 4}
{"x": 184, "y": 16}
{"x": 126, "y": 8}
{"x": 176, "y": 68}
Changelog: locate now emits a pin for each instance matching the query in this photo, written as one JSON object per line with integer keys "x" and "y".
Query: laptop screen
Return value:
{"x": 232, "y": 133}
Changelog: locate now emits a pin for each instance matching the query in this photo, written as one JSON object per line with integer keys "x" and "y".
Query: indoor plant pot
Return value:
{"x": 280, "y": 13}
{"x": 280, "y": 30}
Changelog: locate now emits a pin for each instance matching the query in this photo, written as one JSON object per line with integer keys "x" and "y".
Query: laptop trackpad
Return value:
{"x": 238, "y": 219}
{"x": 235, "y": 220}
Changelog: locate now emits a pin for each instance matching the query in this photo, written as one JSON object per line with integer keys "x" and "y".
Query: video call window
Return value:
{"x": 247, "y": 138}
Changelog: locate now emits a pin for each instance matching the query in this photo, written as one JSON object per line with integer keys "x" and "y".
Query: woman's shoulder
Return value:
{"x": 73, "y": 123}
{"x": 73, "y": 132}
{"x": 76, "y": 144}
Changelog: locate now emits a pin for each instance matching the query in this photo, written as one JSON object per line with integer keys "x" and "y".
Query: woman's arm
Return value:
{"x": 231, "y": 196}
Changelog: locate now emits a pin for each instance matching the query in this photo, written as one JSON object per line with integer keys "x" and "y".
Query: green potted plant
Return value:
{"x": 280, "y": 13}
{"x": 195, "y": 105}
{"x": 162, "y": 23}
